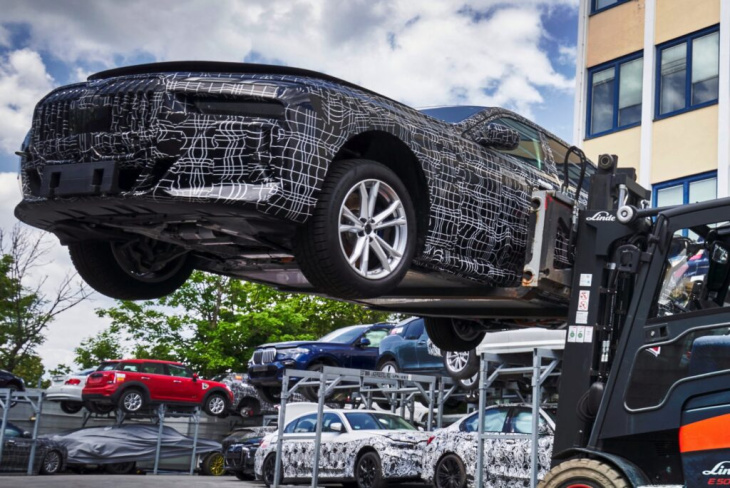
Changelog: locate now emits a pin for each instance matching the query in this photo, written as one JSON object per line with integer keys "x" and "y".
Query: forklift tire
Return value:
{"x": 448, "y": 337}
{"x": 584, "y": 473}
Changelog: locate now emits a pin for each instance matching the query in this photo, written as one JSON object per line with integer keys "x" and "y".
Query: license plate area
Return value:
{"x": 259, "y": 368}
{"x": 98, "y": 178}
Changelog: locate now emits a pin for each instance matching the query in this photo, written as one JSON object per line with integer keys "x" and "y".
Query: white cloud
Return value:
{"x": 23, "y": 81}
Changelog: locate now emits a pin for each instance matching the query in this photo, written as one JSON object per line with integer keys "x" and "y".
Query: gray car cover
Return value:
{"x": 105, "y": 445}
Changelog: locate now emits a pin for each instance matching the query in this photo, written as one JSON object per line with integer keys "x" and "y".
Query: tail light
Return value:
{"x": 264, "y": 444}
{"x": 430, "y": 439}
{"x": 73, "y": 382}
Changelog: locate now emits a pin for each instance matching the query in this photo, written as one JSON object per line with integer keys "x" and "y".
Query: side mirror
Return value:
{"x": 195, "y": 376}
{"x": 364, "y": 342}
{"x": 337, "y": 427}
{"x": 498, "y": 137}
{"x": 26, "y": 435}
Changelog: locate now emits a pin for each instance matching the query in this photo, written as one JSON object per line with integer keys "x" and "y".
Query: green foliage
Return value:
{"x": 213, "y": 323}
{"x": 30, "y": 368}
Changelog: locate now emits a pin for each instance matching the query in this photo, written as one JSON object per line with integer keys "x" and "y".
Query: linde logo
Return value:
{"x": 601, "y": 216}
{"x": 722, "y": 468}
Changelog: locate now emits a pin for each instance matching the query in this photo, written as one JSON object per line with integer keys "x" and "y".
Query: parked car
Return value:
{"x": 135, "y": 384}
{"x": 239, "y": 449}
{"x": 10, "y": 381}
{"x": 50, "y": 456}
{"x": 288, "y": 177}
{"x": 406, "y": 350}
{"x": 121, "y": 449}
{"x": 355, "y": 346}
{"x": 247, "y": 401}
{"x": 366, "y": 447}
{"x": 451, "y": 454}
{"x": 67, "y": 389}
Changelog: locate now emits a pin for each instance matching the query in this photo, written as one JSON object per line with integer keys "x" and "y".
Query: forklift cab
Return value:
{"x": 661, "y": 357}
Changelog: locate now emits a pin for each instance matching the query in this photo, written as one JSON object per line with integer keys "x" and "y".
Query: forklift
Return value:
{"x": 644, "y": 395}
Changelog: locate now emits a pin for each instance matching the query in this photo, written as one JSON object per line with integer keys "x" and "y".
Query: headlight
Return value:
{"x": 291, "y": 353}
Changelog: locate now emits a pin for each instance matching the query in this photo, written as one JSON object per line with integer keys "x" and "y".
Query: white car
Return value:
{"x": 365, "y": 448}
{"x": 67, "y": 390}
{"x": 450, "y": 459}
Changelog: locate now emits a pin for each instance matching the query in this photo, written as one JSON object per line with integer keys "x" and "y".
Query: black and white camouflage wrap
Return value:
{"x": 167, "y": 150}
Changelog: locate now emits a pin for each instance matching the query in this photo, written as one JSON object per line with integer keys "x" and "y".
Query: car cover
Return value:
{"x": 105, "y": 445}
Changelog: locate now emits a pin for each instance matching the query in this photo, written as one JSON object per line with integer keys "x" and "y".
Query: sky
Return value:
{"x": 517, "y": 54}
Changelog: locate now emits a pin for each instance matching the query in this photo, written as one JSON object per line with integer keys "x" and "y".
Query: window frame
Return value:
{"x": 687, "y": 39}
{"x": 595, "y": 10}
{"x": 685, "y": 181}
{"x": 616, "y": 65}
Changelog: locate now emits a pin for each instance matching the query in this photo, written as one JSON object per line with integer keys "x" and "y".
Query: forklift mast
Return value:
{"x": 644, "y": 392}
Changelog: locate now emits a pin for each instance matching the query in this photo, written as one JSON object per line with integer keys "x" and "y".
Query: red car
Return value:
{"x": 135, "y": 384}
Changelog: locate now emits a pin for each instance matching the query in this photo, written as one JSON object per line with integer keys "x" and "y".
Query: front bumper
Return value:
{"x": 273, "y": 373}
{"x": 240, "y": 458}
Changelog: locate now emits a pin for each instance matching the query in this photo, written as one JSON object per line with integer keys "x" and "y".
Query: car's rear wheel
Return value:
{"x": 52, "y": 462}
{"x": 453, "y": 335}
{"x": 389, "y": 366}
{"x": 71, "y": 407}
{"x": 461, "y": 364}
{"x": 368, "y": 471}
{"x": 99, "y": 408}
{"x": 268, "y": 470}
{"x": 361, "y": 239}
{"x": 121, "y": 468}
{"x": 243, "y": 476}
{"x": 139, "y": 269}
{"x": 132, "y": 400}
{"x": 215, "y": 405}
{"x": 449, "y": 472}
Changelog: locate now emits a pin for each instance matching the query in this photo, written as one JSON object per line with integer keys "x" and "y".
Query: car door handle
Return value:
{"x": 420, "y": 343}
{"x": 145, "y": 377}
{"x": 176, "y": 381}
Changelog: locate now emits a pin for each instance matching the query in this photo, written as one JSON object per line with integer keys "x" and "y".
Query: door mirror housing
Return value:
{"x": 364, "y": 342}
{"x": 337, "y": 427}
{"x": 498, "y": 137}
{"x": 26, "y": 435}
{"x": 195, "y": 377}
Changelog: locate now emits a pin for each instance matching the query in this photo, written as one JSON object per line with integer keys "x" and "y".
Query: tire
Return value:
{"x": 311, "y": 393}
{"x": 585, "y": 473}
{"x": 99, "y": 408}
{"x": 268, "y": 470}
{"x": 215, "y": 405}
{"x": 132, "y": 400}
{"x": 323, "y": 251}
{"x": 368, "y": 471}
{"x": 71, "y": 407}
{"x": 248, "y": 407}
{"x": 107, "y": 269}
{"x": 469, "y": 384}
{"x": 270, "y": 394}
{"x": 449, "y": 472}
{"x": 447, "y": 336}
{"x": 52, "y": 462}
{"x": 461, "y": 365}
{"x": 214, "y": 464}
{"x": 388, "y": 366}
{"x": 121, "y": 468}
{"x": 243, "y": 476}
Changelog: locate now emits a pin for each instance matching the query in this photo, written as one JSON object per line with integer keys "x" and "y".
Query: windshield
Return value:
{"x": 344, "y": 336}
{"x": 452, "y": 115}
{"x": 377, "y": 421}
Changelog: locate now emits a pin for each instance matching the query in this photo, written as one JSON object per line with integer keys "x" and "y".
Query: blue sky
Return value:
{"x": 517, "y": 54}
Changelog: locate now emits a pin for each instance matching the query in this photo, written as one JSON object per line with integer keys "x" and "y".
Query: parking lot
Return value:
{"x": 137, "y": 481}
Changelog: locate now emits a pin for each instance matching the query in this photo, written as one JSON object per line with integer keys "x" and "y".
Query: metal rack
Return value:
{"x": 399, "y": 390}
{"x": 8, "y": 399}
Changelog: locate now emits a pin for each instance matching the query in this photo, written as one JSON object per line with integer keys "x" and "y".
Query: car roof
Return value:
{"x": 159, "y": 361}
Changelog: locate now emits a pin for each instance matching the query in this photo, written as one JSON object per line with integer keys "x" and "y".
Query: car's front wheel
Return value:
{"x": 461, "y": 365}
{"x": 215, "y": 405}
{"x": 71, "y": 407}
{"x": 52, "y": 462}
{"x": 361, "y": 239}
{"x": 139, "y": 269}
{"x": 453, "y": 335}
{"x": 368, "y": 471}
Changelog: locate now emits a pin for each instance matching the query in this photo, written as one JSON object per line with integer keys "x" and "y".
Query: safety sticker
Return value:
{"x": 584, "y": 297}
{"x": 581, "y": 317}
{"x": 577, "y": 333}
{"x": 586, "y": 279}
{"x": 588, "y": 336}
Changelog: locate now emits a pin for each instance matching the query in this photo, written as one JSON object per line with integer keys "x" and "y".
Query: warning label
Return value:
{"x": 583, "y": 299}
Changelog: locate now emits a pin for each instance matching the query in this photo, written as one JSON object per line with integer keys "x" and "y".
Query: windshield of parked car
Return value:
{"x": 345, "y": 335}
{"x": 377, "y": 421}
{"x": 452, "y": 115}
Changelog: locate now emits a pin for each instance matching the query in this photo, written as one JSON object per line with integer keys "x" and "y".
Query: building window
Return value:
{"x": 614, "y": 96}
{"x": 688, "y": 72}
{"x": 599, "y": 5}
{"x": 693, "y": 189}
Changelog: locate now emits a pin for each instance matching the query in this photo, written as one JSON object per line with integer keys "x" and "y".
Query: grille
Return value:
{"x": 264, "y": 356}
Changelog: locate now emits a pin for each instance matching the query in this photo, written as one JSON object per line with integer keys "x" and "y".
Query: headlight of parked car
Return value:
{"x": 291, "y": 353}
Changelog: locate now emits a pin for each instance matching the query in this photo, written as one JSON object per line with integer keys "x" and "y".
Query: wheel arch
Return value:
{"x": 219, "y": 391}
{"x": 135, "y": 385}
{"x": 325, "y": 360}
{"x": 387, "y": 356}
{"x": 632, "y": 472}
{"x": 387, "y": 149}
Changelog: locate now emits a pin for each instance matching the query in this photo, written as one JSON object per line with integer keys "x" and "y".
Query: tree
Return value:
{"x": 26, "y": 306}
{"x": 214, "y": 322}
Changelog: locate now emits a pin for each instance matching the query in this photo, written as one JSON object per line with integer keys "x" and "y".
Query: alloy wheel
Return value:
{"x": 448, "y": 474}
{"x": 132, "y": 401}
{"x": 457, "y": 360}
{"x": 216, "y": 405}
{"x": 51, "y": 462}
{"x": 373, "y": 229}
{"x": 366, "y": 472}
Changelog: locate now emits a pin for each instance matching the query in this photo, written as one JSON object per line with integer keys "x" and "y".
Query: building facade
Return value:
{"x": 653, "y": 87}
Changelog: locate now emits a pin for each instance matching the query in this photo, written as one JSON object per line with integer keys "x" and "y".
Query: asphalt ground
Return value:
{"x": 140, "y": 481}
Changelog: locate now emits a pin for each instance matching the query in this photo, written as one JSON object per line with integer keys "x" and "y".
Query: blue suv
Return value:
{"x": 406, "y": 350}
{"x": 355, "y": 346}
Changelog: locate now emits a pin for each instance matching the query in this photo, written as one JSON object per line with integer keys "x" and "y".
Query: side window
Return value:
{"x": 493, "y": 421}
{"x": 375, "y": 336}
{"x": 152, "y": 368}
{"x": 521, "y": 421}
{"x": 130, "y": 367}
{"x": 530, "y": 148}
{"x": 415, "y": 330}
{"x": 11, "y": 431}
{"x": 328, "y": 419}
{"x": 559, "y": 151}
{"x": 306, "y": 424}
{"x": 175, "y": 370}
